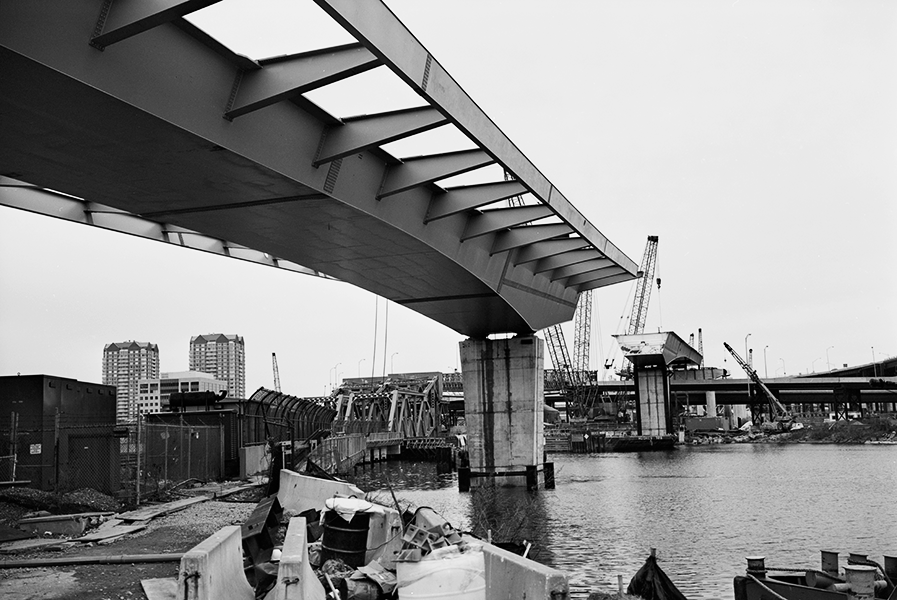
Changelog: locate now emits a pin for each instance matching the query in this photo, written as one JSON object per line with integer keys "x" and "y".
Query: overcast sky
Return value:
{"x": 757, "y": 139}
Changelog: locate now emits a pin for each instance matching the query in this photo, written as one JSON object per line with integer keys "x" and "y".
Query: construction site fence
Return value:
{"x": 131, "y": 461}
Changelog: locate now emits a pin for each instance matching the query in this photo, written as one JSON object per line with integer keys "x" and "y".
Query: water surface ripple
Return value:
{"x": 704, "y": 508}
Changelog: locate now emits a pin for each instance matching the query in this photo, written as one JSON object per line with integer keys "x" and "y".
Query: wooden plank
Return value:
{"x": 109, "y": 532}
{"x": 151, "y": 512}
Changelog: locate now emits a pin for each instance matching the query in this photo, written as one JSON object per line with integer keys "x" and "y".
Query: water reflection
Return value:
{"x": 705, "y": 509}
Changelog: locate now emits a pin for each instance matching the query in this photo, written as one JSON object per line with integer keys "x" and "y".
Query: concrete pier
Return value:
{"x": 503, "y": 398}
{"x": 651, "y": 354}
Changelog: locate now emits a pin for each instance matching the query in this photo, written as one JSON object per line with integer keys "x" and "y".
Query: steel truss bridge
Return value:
{"x": 141, "y": 122}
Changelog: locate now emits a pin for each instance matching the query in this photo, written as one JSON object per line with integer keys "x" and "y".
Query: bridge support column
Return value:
{"x": 652, "y": 392}
{"x": 650, "y": 355}
{"x": 710, "y": 409}
{"x": 503, "y": 398}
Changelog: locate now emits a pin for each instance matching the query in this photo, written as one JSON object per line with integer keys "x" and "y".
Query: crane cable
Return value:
{"x": 611, "y": 355}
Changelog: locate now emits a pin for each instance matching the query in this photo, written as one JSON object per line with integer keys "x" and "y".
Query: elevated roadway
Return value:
{"x": 146, "y": 124}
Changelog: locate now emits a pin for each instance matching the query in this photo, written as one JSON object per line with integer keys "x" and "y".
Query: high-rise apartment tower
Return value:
{"x": 124, "y": 365}
{"x": 222, "y": 356}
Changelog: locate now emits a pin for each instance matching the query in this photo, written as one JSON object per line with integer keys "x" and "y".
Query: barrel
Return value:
{"x": 346, "y": 540}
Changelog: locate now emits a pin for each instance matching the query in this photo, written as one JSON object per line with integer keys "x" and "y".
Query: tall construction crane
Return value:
{"x": 780, "y": 418}
{"x": 276, "y": 372}
{"x": 639, "y": 313}
{"x": 643, "y": 288}
{"x": 582, "y": 333}
{"x": 571, "y": 375}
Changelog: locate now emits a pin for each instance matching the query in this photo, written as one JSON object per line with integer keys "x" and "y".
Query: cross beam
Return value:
{"x": 131, "y": 107}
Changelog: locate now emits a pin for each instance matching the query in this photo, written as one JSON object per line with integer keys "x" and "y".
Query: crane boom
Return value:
{"x": 777, "y": 409}
{"x": 643, "y": 288}
{"x": 276, "y": 372}
{"x": 582, "y": 332}
{"x": 560, "y": 358}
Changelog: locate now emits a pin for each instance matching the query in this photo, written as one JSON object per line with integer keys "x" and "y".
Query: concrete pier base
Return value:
{"x": 503, "y": 398}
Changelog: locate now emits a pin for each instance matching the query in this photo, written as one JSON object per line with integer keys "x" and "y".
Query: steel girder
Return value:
{"x": 129, "y": 107}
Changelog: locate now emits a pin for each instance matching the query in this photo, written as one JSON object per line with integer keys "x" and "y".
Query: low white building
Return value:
{"x": 153, "y": 394}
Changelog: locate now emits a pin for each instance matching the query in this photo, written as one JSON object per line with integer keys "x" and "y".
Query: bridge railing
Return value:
{"x": 338, "y": 454}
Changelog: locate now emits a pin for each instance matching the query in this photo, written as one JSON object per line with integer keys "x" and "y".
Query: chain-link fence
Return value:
{"x": 132, "y": 462}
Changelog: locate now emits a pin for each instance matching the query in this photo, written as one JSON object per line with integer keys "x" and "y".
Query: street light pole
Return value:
{"x": 827, "y": 362}
{"x": 392, "y": 366}
{"x": 745, "y": 347}
{"x": 783, "y": 366}
{"x": 335, "y": 367}
{"x": 813, "y": 364}
{"x": 359, "y": 367}
{"x": 873, "y": 362}
{"x": 765, "y": 373}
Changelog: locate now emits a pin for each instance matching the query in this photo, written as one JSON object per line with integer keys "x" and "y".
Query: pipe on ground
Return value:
{"x": 91, "y": 560}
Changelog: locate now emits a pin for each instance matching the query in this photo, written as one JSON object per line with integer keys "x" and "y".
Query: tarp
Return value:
{"x": 651, "y": 583}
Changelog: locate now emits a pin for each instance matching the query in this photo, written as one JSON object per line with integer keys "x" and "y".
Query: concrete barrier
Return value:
{"x": 384, "y": 535}
{"x": 213, "y": 569}
{"x": 254, "y": 460}
{"x": 298, "y": 493}
{"x": 509, "y": 576}
{"x": 295, "y": 579}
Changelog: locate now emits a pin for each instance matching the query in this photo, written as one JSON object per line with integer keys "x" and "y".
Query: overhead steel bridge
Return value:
{"x": 142, "y": 122}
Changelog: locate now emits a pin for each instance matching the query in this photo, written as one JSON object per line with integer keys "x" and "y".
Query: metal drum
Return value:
{"x": 346, "y": 540}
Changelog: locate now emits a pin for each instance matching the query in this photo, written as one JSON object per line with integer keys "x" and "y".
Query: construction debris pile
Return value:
{"x": 359, "y": 550}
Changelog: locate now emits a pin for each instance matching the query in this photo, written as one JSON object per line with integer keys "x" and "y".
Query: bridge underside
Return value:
{"x": 140, "y": 111}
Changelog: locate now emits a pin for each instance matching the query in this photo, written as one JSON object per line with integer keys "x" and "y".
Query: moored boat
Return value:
{"x": 861, "y": 579}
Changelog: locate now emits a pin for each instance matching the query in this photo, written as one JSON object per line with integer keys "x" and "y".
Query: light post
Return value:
{"x": 749, "y": 364}
{"x": 874, "y": 374}
{"x": 335, "y": 367}
{"x": 827, "y": 361}
{"x": 783, "y": 367}
{"x": 813, "y": 364}
{"x": 765, "y": 373}
{"x": 392, "y": 366}
{"x": 359, "y": 367}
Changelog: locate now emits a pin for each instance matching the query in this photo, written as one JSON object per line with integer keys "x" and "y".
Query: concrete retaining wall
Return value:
{"x": 213, "y": 570}
{"x": 301, "y": 492}
{"x": 510, "y": 577}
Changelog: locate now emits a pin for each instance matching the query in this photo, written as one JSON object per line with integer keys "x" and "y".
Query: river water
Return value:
{"x": 704, "y": 508}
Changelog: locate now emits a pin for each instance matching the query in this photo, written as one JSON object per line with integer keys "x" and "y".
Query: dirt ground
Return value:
{"x": 174, "y": 533}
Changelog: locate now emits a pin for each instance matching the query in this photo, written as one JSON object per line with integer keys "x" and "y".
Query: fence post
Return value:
{"x": 221, "y": 445}
{"x": 189, "y": 450}
{"x": 137, "y": 475}
{"x": 14, "y": 440}
{"x": 165, "y": 461}
{"x": 181, "y": 448}
{"x": 56, "y": 452}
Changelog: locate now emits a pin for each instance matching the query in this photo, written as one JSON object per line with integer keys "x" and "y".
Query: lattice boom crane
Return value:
{"x": 643, "y": 288}
{"x": 276, "y": 372}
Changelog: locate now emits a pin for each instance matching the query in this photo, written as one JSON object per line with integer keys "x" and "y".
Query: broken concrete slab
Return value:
{"x": 69, "y": 525}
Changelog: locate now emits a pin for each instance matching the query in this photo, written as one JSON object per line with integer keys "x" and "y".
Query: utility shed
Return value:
{"x": 58, "y": 434}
